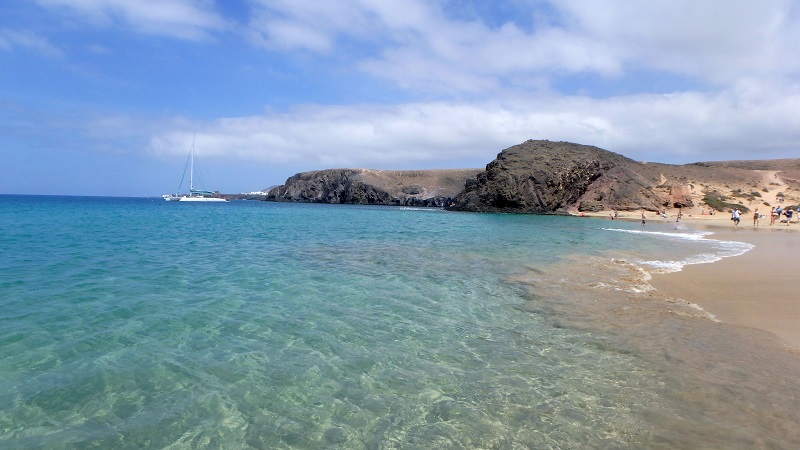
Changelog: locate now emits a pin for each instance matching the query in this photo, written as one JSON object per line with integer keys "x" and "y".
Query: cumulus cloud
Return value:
{"x": 185, "y": 19}
{"x": 677, "y": 128}
{"x": 417, "y": 45}
{"x": 421, "y": 47}
{"x": 495, "y": 79}
{"x": 347, "y": 136}
{"x": 720, "y": 40}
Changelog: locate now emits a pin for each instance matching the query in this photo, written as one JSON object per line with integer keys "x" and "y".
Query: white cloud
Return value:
{"x": 494, "y": 79}
{"x": 745, "y": 51}
{"x": 11, "y": 39}
{"x": 419, "y": 47}
{"x": 677, "y": 128}
{"x": 718, "y": 40}
{"x": 354, "y": 136}
{"x": 185, "y": 19}
{"x": 416, "y": 45}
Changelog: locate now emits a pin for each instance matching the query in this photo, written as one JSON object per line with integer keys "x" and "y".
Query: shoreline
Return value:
{"x": 758, "y": 289}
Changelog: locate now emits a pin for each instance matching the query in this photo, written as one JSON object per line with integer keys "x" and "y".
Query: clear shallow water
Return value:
{"x": 133, "y": 323}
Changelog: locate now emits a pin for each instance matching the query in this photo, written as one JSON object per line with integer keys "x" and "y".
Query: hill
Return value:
{"x": 544, "y": 177}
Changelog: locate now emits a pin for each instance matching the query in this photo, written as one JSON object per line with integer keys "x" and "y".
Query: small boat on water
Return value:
{"x": 194, "y": 195}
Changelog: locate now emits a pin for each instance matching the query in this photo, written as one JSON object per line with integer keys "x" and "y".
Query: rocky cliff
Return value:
{"x": 546, "y": 177}
{"x": 374, "y": 187}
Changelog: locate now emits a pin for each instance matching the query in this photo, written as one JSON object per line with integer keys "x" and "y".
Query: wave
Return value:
{"x": 719, "y": 249}
{"x": 693, "y": 236}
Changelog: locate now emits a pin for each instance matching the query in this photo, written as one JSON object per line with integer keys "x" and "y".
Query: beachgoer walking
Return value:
{"x": 736, "y": 217}
{"x": 788, "y": 213}
{"x": 772, "y": 216}
{"x": 644, "y": 219}
{"x": 755, "y": 218}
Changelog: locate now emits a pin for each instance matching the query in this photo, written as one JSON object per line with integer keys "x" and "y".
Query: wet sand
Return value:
{"x": 726, "y": 384}
{"x": 760, "y": 289}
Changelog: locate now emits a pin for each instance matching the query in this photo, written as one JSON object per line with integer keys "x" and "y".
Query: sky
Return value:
{"x": 106, "y": 97}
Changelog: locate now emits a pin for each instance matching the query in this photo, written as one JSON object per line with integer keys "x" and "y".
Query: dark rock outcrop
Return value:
{"x": 544, "y": 177}
{"x": 374, "y": 187}
{"x": 329, "y": 186}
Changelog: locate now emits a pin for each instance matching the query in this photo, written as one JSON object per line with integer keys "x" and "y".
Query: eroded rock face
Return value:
{"x": 544, "y": 177}
{"x": 329, "y": 186}
{"x": 374, "y": 187}
{"x": 680, "y": 196}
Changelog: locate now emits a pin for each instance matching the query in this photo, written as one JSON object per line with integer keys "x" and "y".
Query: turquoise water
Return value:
{"x": 138, "y": 323}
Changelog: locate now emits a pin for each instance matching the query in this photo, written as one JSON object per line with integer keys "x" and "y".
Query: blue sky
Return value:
{"x": 103, "y": 97}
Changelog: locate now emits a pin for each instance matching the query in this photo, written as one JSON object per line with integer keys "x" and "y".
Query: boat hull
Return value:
{"x": 202, "y": 199}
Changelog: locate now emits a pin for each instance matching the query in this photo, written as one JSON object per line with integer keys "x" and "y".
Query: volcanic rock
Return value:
{"x": 544, "y": 177}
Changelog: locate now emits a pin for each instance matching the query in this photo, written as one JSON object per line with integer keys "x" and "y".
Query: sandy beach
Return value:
{"x": 759, "y": 289}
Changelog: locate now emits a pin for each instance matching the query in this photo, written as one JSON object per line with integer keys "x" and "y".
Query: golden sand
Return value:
{"x": 760, "y": 289}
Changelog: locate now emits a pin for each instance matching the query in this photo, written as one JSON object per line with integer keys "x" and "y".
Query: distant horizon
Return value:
{"x": 106, "y": 97}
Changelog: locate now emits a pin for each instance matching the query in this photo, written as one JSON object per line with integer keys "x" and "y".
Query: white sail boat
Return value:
{"x": 195, "y": 195}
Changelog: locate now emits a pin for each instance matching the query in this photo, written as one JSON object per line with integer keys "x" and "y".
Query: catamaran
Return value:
{"x": 195, "y": 195}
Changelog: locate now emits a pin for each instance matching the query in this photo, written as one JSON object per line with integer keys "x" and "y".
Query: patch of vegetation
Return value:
{"x": 780, "y": 194}
{"x": 765, "y": 190}
{"x": 717, "y": 201}
{"x": 749, "y": 196}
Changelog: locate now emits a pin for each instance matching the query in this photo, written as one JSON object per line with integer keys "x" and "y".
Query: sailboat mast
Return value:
{"x": 191, "y": 167}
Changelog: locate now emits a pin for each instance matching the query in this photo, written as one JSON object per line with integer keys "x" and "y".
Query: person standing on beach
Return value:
{"x": 644, "y": 219}
{"x": 788, "y": 216}
{"x": 736, "y": 216}
{"x": 755, "y": 218}
{"x": 772, "y": 216}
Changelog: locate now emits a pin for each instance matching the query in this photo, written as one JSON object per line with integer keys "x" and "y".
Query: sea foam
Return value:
{"x": 715, "y": 251}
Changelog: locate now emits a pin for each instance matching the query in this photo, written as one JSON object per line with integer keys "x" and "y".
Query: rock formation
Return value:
{"x": 374, "y": 187}
{"x": 546, "y": 177}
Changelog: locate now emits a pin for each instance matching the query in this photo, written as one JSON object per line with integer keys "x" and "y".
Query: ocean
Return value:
{"x": 139, "y": 323}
